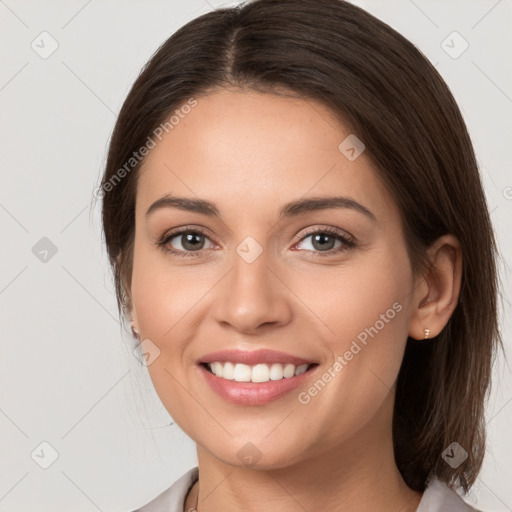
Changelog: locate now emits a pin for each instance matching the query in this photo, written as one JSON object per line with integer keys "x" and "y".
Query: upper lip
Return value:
{"x": 252, "y": 357}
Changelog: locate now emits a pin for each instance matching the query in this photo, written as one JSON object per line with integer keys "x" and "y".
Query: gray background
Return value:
{"x": 68, "y": 375}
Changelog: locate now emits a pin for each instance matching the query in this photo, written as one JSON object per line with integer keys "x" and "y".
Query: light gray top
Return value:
{"x": 438, "y": 497}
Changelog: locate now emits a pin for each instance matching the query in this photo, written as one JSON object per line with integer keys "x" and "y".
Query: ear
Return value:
{"x": 437, "y": 292}
{"x": 127, "y": 295}
{"x": 135, "y": 325}
{"x": 133, "y": 317}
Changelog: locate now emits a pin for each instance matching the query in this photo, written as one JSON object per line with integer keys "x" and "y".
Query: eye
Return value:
{"x": 323, "y": 241}
{"x": 184, "y": 242}
{"x": 187, "y": 241}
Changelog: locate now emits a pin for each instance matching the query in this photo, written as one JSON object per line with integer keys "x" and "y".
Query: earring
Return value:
{"x": 427, "y": 333}
{"x": 135, "y": 333}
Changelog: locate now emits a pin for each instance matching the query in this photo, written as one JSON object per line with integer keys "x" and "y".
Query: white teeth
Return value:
{"x": 227, "y": 372}
{"x": 257, "y": 373}
{"x": 242, "y": 373}
{"x": 260, "y": 373}
{"x": 301, "y": 369}
{"x": 217, "y": 369}
{"x": 289, "y": 371}
{"x": 276, "y": 371}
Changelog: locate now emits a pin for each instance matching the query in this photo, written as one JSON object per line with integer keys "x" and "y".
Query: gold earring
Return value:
{"x": 427, "y": 333}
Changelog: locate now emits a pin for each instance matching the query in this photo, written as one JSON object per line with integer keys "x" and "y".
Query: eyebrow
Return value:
{"x": 290, "y": 209}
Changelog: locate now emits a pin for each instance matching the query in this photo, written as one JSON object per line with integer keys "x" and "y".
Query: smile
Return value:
{"x": 251, "y": 393}
{"x": 258, "y": 373}
{"x": 255, "y": 377}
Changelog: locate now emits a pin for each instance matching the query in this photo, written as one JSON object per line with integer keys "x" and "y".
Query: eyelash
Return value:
{"x": 348, "y": 243}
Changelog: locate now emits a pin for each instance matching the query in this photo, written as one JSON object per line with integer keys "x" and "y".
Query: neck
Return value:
{"x": 359, "y": 475}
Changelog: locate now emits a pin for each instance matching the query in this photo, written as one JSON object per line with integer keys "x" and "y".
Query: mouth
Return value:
{"x": 258, "y": 373}
{"x": 257, "y": 384}
{"x": 254, "y": 377}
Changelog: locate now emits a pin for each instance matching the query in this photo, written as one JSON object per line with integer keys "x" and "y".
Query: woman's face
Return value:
{"x": 263, "y": 275}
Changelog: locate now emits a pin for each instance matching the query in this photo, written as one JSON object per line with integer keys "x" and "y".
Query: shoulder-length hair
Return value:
{"x": 383, "y": 89}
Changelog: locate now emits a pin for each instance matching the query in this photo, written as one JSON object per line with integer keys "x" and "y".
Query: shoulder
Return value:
{"x": 438, "y": 497}
{"x": 173, "y": 498}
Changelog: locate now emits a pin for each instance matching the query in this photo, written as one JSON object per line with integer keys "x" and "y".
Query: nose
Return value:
{"x": 253, "y": 296}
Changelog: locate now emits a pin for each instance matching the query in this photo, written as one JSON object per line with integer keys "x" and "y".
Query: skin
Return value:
{"x": 250, "y": 153}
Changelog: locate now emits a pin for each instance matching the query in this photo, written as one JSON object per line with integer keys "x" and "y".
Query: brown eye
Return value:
{"x": 185, "y": 242}
{"x": 323, "y": 242}
{"x": 190, "y": 241}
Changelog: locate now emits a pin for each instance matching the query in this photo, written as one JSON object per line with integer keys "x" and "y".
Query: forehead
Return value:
{"x": 247, "y": 151}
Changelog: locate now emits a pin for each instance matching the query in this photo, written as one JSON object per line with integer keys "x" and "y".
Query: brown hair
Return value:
{"x": 383, "y": 88}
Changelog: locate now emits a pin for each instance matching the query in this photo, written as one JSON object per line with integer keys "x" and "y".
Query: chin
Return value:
{"x": 257, "y": 453}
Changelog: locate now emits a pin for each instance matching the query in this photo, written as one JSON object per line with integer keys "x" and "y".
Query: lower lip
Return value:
{"x": 251, "y": 393}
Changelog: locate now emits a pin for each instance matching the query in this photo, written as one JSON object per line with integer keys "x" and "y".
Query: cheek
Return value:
{"x": 368, "y": 314}
{"x": 163, "y": 294}
{"x": 164, "y": 298}
{"x": 365, "y": 298}
{"x": 365, "y": 308}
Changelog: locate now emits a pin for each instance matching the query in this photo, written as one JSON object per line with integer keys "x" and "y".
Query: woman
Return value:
{"x": 298, "y": 231}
